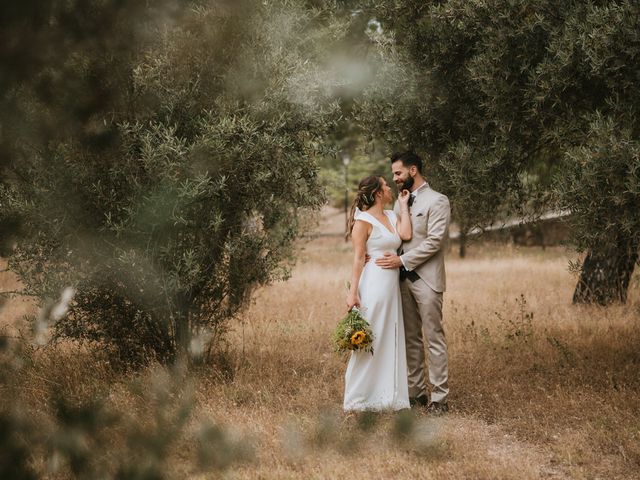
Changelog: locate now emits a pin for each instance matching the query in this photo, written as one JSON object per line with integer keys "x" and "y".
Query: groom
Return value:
{"x": 422, "y": 282}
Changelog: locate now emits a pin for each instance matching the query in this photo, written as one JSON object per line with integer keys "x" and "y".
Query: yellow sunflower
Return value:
{"x": 358, "y": 337}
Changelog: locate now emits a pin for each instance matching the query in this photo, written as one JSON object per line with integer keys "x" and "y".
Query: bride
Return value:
{"x": 378, "y": 381}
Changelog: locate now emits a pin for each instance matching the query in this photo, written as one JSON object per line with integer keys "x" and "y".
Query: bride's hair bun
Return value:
{"x": 367, "y": 189}
{"x": 365, "y": 197}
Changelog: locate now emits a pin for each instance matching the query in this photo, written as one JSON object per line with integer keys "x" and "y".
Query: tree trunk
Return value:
{"x": 606, "y": 273}
{"x": 463, "y": 243}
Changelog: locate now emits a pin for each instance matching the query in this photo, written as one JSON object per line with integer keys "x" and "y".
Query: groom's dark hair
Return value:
{"x": 408, "y": 159}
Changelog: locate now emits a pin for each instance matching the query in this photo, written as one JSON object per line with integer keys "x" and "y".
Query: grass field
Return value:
{"x": 539, "y": 388}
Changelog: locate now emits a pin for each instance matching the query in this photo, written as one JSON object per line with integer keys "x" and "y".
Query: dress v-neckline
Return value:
{"x": 383, "y": 225}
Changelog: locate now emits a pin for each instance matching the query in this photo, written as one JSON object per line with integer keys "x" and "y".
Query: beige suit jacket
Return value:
{"x": 424, "y": 253}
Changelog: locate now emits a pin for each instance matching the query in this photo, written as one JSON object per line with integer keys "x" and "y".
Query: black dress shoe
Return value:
{"x": 437, "y": 408}
{"x": 421, "y": 401}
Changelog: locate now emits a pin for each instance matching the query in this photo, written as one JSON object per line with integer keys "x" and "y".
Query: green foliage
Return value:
{"x": 426, "y": 100}
{"x": 192, "y": 190}
{"x": 601, "y": 186}
{"x": 522, "y": 105}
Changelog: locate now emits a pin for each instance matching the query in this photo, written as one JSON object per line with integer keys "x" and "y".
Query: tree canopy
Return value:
{"x": 157, "y": 157}
{"x": 175, "y": 184}
{"x": 528, "y": 105}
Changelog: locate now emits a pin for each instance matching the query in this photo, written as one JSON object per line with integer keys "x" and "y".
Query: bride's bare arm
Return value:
{"x": 359, "y": 236}
{"x": 404, "y": 220}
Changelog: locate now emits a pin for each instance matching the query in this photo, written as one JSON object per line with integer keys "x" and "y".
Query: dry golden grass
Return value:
{"x": 539, "y": 388}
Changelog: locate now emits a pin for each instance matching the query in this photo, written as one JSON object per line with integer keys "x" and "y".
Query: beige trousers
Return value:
{"x": 422, "y": 312}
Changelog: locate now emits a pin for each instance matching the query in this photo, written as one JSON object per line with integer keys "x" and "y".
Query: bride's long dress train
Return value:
{"x": 379, "y": 382}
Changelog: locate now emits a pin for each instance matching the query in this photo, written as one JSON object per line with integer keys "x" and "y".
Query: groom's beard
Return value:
{"x": 407, "y": 184}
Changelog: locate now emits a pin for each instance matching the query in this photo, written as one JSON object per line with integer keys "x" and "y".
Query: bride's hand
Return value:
{"x": 353, "y": 300}
{"x": 403, "y": 198}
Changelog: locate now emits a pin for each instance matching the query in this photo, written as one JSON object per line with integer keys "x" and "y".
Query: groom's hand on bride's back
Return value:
{"x": 389, "y": 260}
{"x": 367, "y": 257}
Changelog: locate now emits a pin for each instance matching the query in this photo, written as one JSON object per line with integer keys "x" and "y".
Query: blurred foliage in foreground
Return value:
{"x": 92, "y": 437}
{"x": 152, "y": 428}
{"x": 157, "y": 159}
{"x": 68, "y": 413}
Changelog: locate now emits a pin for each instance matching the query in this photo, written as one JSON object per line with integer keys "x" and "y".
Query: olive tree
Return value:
{"x": 523, "y": 106}
{"x": 181, "y": 181}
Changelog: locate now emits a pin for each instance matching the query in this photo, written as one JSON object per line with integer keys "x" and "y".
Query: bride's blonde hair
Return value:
{"x": 365, "y": 197}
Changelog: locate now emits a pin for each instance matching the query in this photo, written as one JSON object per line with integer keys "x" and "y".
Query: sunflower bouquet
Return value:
{"x": 353, "y": 332}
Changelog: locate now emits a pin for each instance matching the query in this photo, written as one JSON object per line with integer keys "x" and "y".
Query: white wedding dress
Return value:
{"x": 379, "y": 382}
